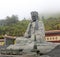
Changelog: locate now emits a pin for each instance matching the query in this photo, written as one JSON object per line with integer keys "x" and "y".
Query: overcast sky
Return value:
{"x": 22, "y": 8}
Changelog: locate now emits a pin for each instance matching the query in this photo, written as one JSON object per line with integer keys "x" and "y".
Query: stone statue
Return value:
{"x": 35, "y": 27}
{"x": 33, "y": 39}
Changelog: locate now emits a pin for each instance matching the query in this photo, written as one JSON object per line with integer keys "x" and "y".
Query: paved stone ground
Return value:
{"x": 55, "y": 52}
{"x": 24, "y": 56}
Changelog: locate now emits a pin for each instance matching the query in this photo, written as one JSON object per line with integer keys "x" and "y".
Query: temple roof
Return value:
{"x": 52, "y": 31}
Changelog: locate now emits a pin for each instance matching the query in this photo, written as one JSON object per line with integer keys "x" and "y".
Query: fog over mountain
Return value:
{"x": 22, "y": 8}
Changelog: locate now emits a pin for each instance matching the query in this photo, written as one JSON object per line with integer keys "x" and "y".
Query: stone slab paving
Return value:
{"x": 24, "y": 56}
{"x": 55, "y": 52}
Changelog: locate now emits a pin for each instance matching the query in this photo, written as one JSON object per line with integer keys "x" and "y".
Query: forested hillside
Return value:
{"x": 52, "y": 23}
{"x": 12, "y": 26}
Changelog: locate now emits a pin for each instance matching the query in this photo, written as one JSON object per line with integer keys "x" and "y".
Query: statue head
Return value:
{"x": 34, "y": 16}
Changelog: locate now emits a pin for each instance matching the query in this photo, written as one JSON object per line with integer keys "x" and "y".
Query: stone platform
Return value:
{"x": 54, "y": 53}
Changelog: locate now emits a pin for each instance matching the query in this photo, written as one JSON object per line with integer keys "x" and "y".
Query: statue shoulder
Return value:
{"x": 40, "y": 21}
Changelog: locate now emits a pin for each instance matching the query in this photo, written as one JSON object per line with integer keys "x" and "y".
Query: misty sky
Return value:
{"x": 22, "y": 8}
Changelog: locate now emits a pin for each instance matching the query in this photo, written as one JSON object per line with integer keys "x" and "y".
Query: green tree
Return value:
{"x": 11, "y": 20}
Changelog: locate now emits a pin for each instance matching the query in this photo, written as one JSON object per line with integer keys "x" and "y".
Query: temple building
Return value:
{"x": 52, "y": 36}
{"x": 7, "y": 40}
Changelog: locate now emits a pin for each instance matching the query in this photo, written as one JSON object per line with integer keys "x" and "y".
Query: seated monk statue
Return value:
{"x": 35, "y": 27}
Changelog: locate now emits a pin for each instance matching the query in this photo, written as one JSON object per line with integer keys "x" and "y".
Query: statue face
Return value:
{"x": 34, "y": 18}
{"x": 34, "y": 15}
